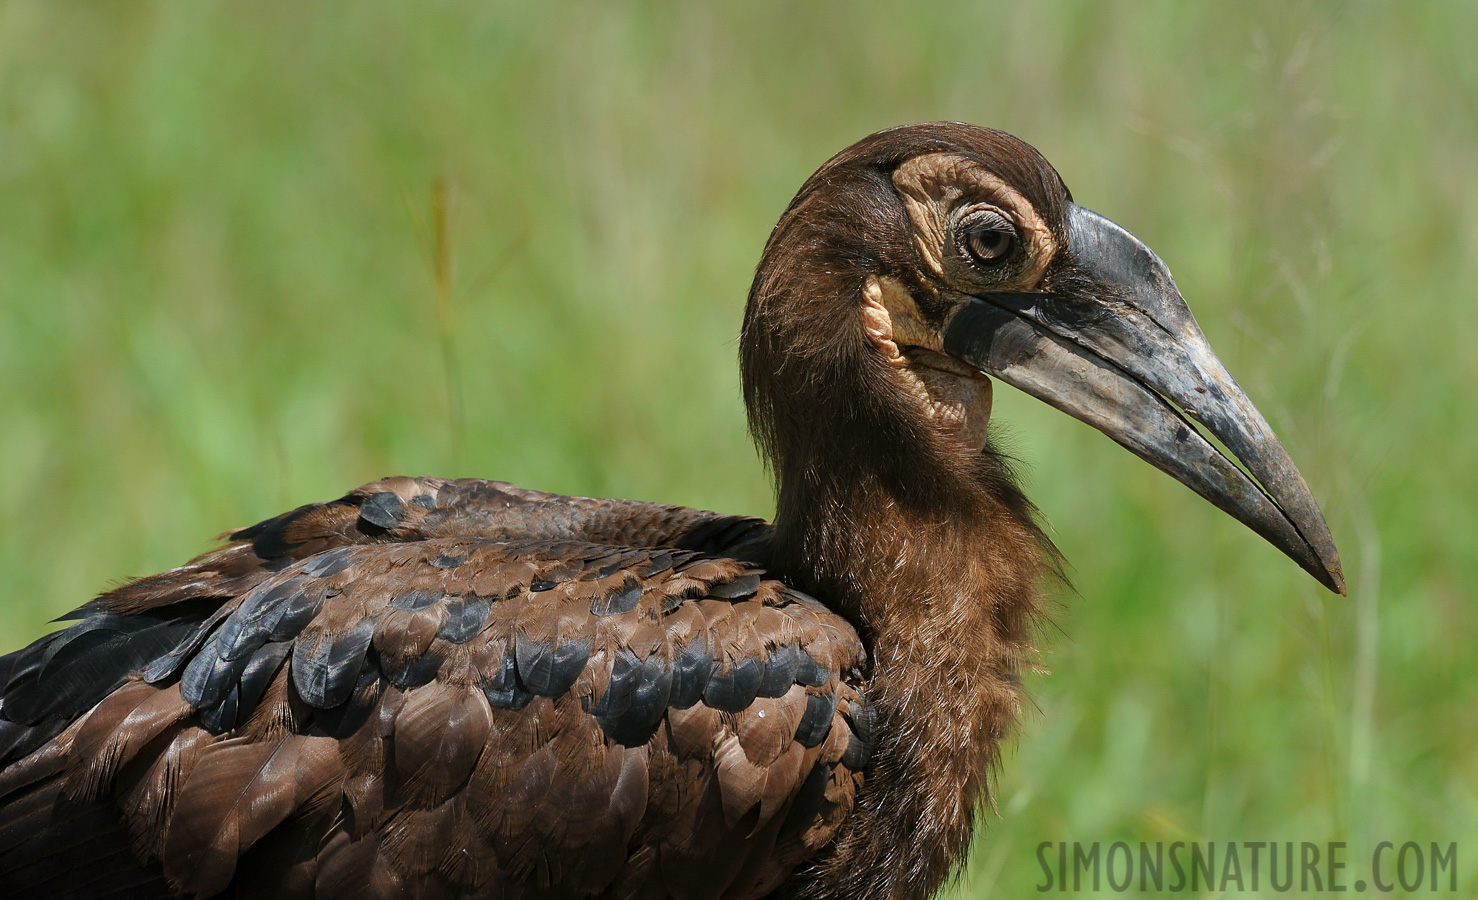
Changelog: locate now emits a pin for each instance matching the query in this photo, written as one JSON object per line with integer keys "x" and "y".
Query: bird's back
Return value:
{"x": 438, "y": 688}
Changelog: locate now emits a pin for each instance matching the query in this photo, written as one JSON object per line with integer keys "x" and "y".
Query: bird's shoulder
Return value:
{"x": 408, "y": 510}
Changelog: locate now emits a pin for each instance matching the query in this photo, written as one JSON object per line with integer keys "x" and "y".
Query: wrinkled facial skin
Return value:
{"x": 945, "y": 194}
{"x": 955, "y": 395}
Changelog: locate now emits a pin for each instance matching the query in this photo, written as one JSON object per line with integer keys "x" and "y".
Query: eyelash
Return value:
{"x": 987, "y": 240}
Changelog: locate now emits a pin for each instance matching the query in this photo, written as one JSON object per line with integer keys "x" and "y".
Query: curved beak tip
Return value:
{"x": 1124, "y": 364}
{"x": 1333, "y": 575}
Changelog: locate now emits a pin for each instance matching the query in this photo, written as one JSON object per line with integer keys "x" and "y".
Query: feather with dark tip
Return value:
{"x": 658, "y": 564}
{"x": 861, "y": 721}
{"x": 261, "y": 604}
{"x": 382, "y": 510}
{"x": 737, "y": 589}
{"x": 19, "y": 740}
{"x": 502, "y": 686}
{"x": 329, "y": 563}
{"x": 807, "y": 801}
{"x": 815, "y": 724}
{"x": 464, "y": 618}
{"x": 618, "y": 600}
{"x": 288, "y": 620}
{"x": 781, "y": 666}
{"x": 620, "y": 687}
{"x": 691, "y": 671}
{"x": 645, "y": 701}
{"x": 346, "y": 719}
{"x": 259, "y": 672}
{"x": 326, "y": 666}
{"x": 808, "y": 671}
{"x": 448, "y": 561}
{"x": 550, "y": 672}
{"x": 412, "y": 671}
{"x": 207, "y": 676}
{"x": 221, "y": 716}
{"x": 734, "y": 687}
{"x": 410, "y": 601}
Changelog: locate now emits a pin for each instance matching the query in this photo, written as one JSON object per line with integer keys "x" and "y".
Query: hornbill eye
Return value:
{"x": 987, "y": 238}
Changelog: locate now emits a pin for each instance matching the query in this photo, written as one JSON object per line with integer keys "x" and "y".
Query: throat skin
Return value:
{"x": 946, "y": 599}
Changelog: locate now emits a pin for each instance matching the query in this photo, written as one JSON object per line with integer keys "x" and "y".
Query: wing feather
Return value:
{"x": 236, "y": 792}
{"x": 443, "y": 687}
{"x": 440, "y": 733}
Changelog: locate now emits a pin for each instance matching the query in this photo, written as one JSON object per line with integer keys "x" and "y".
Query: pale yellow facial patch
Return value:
{"x": 953, "y": 394}
{"x": 934, "y": 185}
{"x": 891, "y": 317}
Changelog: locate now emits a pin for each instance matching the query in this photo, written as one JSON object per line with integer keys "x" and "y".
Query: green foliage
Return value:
{"x": 226, "y": 288}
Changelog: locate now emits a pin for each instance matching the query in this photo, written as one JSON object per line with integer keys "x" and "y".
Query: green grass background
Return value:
{"x": 219, "y": 299}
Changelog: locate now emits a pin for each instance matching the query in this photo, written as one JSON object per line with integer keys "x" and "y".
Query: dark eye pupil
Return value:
{"x": 989, "y": 245}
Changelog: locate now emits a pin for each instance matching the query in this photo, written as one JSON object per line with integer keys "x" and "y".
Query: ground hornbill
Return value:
{"x": 438, "y": 688}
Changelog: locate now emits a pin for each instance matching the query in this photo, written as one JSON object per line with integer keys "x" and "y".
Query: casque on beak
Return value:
{"x": 1127, "y": 357}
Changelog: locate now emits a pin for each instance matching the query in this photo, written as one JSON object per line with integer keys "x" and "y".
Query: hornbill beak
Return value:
{"x": 1126, "y": 356}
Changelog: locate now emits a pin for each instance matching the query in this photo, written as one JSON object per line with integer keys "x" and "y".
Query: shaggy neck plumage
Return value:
{"x": 931, "y": 551}
{"x": 944, "y": 599}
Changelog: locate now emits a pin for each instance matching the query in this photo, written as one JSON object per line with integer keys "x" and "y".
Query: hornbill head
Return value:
{"x": 924, "y": 258}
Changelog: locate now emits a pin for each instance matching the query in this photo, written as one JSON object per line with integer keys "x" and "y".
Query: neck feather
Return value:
{"x": 944, "y": 593}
